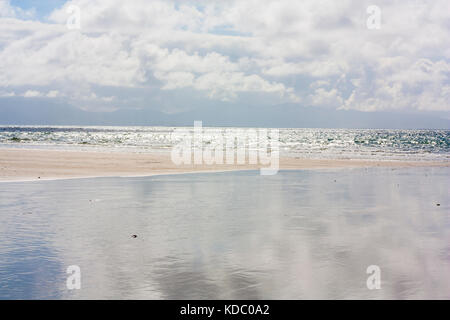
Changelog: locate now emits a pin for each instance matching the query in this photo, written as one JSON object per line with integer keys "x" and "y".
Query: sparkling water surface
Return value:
{"x": 369, "y": 144}
{"x": 234, "y": 235}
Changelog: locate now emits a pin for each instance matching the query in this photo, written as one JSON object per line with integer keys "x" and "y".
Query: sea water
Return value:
{"x": 368, "y": 144}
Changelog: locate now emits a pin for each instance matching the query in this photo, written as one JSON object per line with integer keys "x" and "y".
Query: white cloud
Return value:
{"x": 53, "y": 94}
{"x": 36, "y": 94}
{"x": 322, "y": 97}
{"x": 7, "y": 10}
{"x": 317, "y": 52}
{"x": 32, "y": 94}
{"x": 7, "y": 94}
{"x": 402, "y": 84}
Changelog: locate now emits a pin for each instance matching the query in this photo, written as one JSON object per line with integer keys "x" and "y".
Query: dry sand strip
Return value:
{"x": 33, "y": 164}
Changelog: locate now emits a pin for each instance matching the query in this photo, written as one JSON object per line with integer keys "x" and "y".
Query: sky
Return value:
{"x": 180, "y": 56}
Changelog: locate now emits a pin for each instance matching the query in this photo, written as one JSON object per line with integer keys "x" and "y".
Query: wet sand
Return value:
{"x": 302, "y": 234}
{"x": 33, "y": 164}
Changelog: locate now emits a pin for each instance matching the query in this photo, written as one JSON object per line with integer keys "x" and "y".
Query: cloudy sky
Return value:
{"x": 176, "y": 56}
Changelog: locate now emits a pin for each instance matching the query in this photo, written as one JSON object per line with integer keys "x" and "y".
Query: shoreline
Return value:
{"x": 20, "y": 164}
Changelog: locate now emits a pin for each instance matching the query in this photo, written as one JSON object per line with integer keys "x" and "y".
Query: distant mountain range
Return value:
{"x": 23, "y": 111}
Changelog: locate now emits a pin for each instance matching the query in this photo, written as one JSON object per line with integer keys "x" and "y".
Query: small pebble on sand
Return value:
{"x": 134, "y": 236}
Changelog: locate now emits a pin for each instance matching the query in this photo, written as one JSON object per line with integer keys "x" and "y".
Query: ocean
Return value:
{"x": 365, "y": 144}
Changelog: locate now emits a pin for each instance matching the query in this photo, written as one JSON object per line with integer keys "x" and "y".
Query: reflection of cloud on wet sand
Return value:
{"x": 300, "y": 234}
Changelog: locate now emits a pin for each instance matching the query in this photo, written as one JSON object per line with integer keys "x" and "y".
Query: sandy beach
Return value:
{"x": 299, "y": 234}
{"x": 32, "y": 164}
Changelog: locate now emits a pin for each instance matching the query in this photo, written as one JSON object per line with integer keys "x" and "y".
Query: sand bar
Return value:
{"x": 33, "y": 164}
